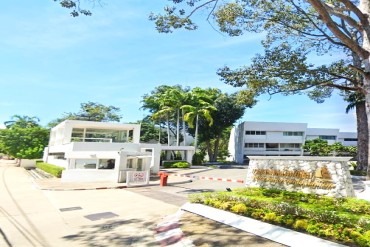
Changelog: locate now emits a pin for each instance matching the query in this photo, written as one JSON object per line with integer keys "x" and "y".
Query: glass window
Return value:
{"x": 86, "y": 163}
{"x": 77, "y": 135}
{"x": 107, "y": 163}
{"x": 272, "y": 145}
{"x": 130, "y": 163}
{"x": 328, "y": 137}
{"x": 292, "y": 133}
{"x": 254, "y": 145}
{"x": 255, "y": 132}
{"x": 350, "y": 139}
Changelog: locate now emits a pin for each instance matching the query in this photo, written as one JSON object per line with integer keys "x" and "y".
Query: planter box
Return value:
{"x": 28, "y": 164}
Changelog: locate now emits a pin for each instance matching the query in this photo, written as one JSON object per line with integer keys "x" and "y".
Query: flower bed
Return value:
{"x": 345, "y": 220}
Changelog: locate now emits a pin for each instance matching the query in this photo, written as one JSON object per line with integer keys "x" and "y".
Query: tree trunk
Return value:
{"x": 178, "y": 128}
{"x": 216, "y": 148}
{"x": 183, "y": 127}
{"x": 196, "y": 133}
{"x": 168, "y": 131}
{"x": 159, "y": 134}
{"x": 367, "y": 98}
{"x": 209, "y": 151}
{"x": 362, "y": 136}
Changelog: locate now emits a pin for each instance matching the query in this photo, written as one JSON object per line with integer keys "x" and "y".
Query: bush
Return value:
{"x": 56, "y": 171}
{"x": 341, "y": 219}
{"x": 197, "y": 159}
{"x": 357, "y": 173}
{"x": 175, "y": 164}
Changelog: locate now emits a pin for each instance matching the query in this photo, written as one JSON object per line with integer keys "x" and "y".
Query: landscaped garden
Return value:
{"x": 344, "y": 220}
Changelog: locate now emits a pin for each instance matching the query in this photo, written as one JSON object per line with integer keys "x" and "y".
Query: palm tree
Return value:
{"x": 200, "y": 107}
{"x": 22, "y": 122}
{"x": 357, "y": 101}
{"x": 176, "y": 97}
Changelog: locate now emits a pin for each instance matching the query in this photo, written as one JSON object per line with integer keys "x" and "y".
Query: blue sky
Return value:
{"x": 50, "y": 63}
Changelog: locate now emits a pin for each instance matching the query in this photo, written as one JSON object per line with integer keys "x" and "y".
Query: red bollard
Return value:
{"x": 163, "y": 178}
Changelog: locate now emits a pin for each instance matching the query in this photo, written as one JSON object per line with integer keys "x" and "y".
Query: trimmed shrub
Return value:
{"x": 341, "y": 219}
{"x": 56, "y": 171}
{"x": 197, "y": 159}
{"x": 175, "y": 164}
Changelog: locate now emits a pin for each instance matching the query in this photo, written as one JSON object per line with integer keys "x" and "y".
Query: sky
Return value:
{"x": 50, "y": 63}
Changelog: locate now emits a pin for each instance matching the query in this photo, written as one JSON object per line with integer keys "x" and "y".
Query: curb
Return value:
{"x": 210, "y": 178}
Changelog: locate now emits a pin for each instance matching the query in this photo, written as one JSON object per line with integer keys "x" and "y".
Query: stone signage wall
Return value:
{"x": 319, "y": 175}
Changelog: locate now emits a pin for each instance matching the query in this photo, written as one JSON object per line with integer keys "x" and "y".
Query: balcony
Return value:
{"x": 273, "y": 151}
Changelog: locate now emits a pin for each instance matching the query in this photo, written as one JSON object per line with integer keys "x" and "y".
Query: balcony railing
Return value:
{"x": 80, "y": 139}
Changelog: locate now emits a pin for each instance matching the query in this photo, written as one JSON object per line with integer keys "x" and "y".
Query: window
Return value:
{"x": 328, "y": 137}
{"x": 255, "y": 132}
{"x": 86, "y": 163}
{"x": 350, "y": 139}
{"x": 290, "y": 147}
{"x": 272, "y": 146}
{"x": 292, "y": 133}
{"x": 254, "y": 145}
{"x": 101, "y": 135}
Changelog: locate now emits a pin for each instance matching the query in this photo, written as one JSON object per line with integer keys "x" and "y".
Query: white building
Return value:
{"x": 279, "y": 139}
{"x": 100, "y": 151}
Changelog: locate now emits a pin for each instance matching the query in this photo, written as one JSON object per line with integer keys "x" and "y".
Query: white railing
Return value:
{"x": 80, "y": 139}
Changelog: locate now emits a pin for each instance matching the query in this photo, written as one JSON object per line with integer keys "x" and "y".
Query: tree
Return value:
{"x": 357, "y": 102}
{"x": 24, "y": 143}
{"x": 317, "y": 147}
{"x": 200, "y": 107}
{"x": 228, "y": 111}
{"x": 23, "y": 138}
{"x": 74, "y": 6}
{"x": 320, "y": 147}
{"x": 22, "y": 122}
{"x": 316, "y": 25}
{"x": 91, "y": 111}
{"x": 164, "y": 104}
{"x": 150, "y": 133}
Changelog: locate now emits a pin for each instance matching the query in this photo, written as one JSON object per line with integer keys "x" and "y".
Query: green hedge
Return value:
{"x": 175, "y": 164}
{"x": 358, "y": 173}
{"x": 346, "y": 220}
{"x": 49, "y": 168}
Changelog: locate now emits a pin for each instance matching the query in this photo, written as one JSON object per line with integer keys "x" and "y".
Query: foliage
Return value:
{"x": 175, "y": 164}
{"x": 294, "y": 30}
{"x": 357, "y": 173}
{"x": 164, "y": 104}
{"x": 198, "y": 158}
{"x": 24, "y": 143}
{"x": 320, "y": 147}
{"x": 74, "y": 6}
{"x": 216, "y": 137}
{"x": 317, "y": 147}
{"x": 208, "y": 110}
{"x": 341, "y": 219}
{"x": 149, "y": 133}
{"x": 22, "y": 122}
{"x": 56, "y": 171}
{"x": 91, "y": 111}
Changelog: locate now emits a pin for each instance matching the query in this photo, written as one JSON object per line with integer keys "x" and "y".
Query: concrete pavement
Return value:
{"x": 33, "y": 217}
{"x": 52, "y": 213}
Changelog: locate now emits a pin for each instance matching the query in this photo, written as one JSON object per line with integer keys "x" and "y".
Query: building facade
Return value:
{"x": 279, "y": 139}
{"x": 99, "y": 151}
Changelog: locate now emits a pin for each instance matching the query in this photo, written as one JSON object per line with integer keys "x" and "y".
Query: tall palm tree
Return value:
{"x": 22, "y": 122}
{"x": 357, "y": 102}
{"x": 200, "y": 106}
{"x": 176, "y": 97}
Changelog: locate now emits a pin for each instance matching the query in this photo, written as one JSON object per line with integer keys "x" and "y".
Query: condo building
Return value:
{"x": 279, "y": 139}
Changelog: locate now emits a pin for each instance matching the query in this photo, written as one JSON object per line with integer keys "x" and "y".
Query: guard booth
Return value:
{"x": 135, "y": 169}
